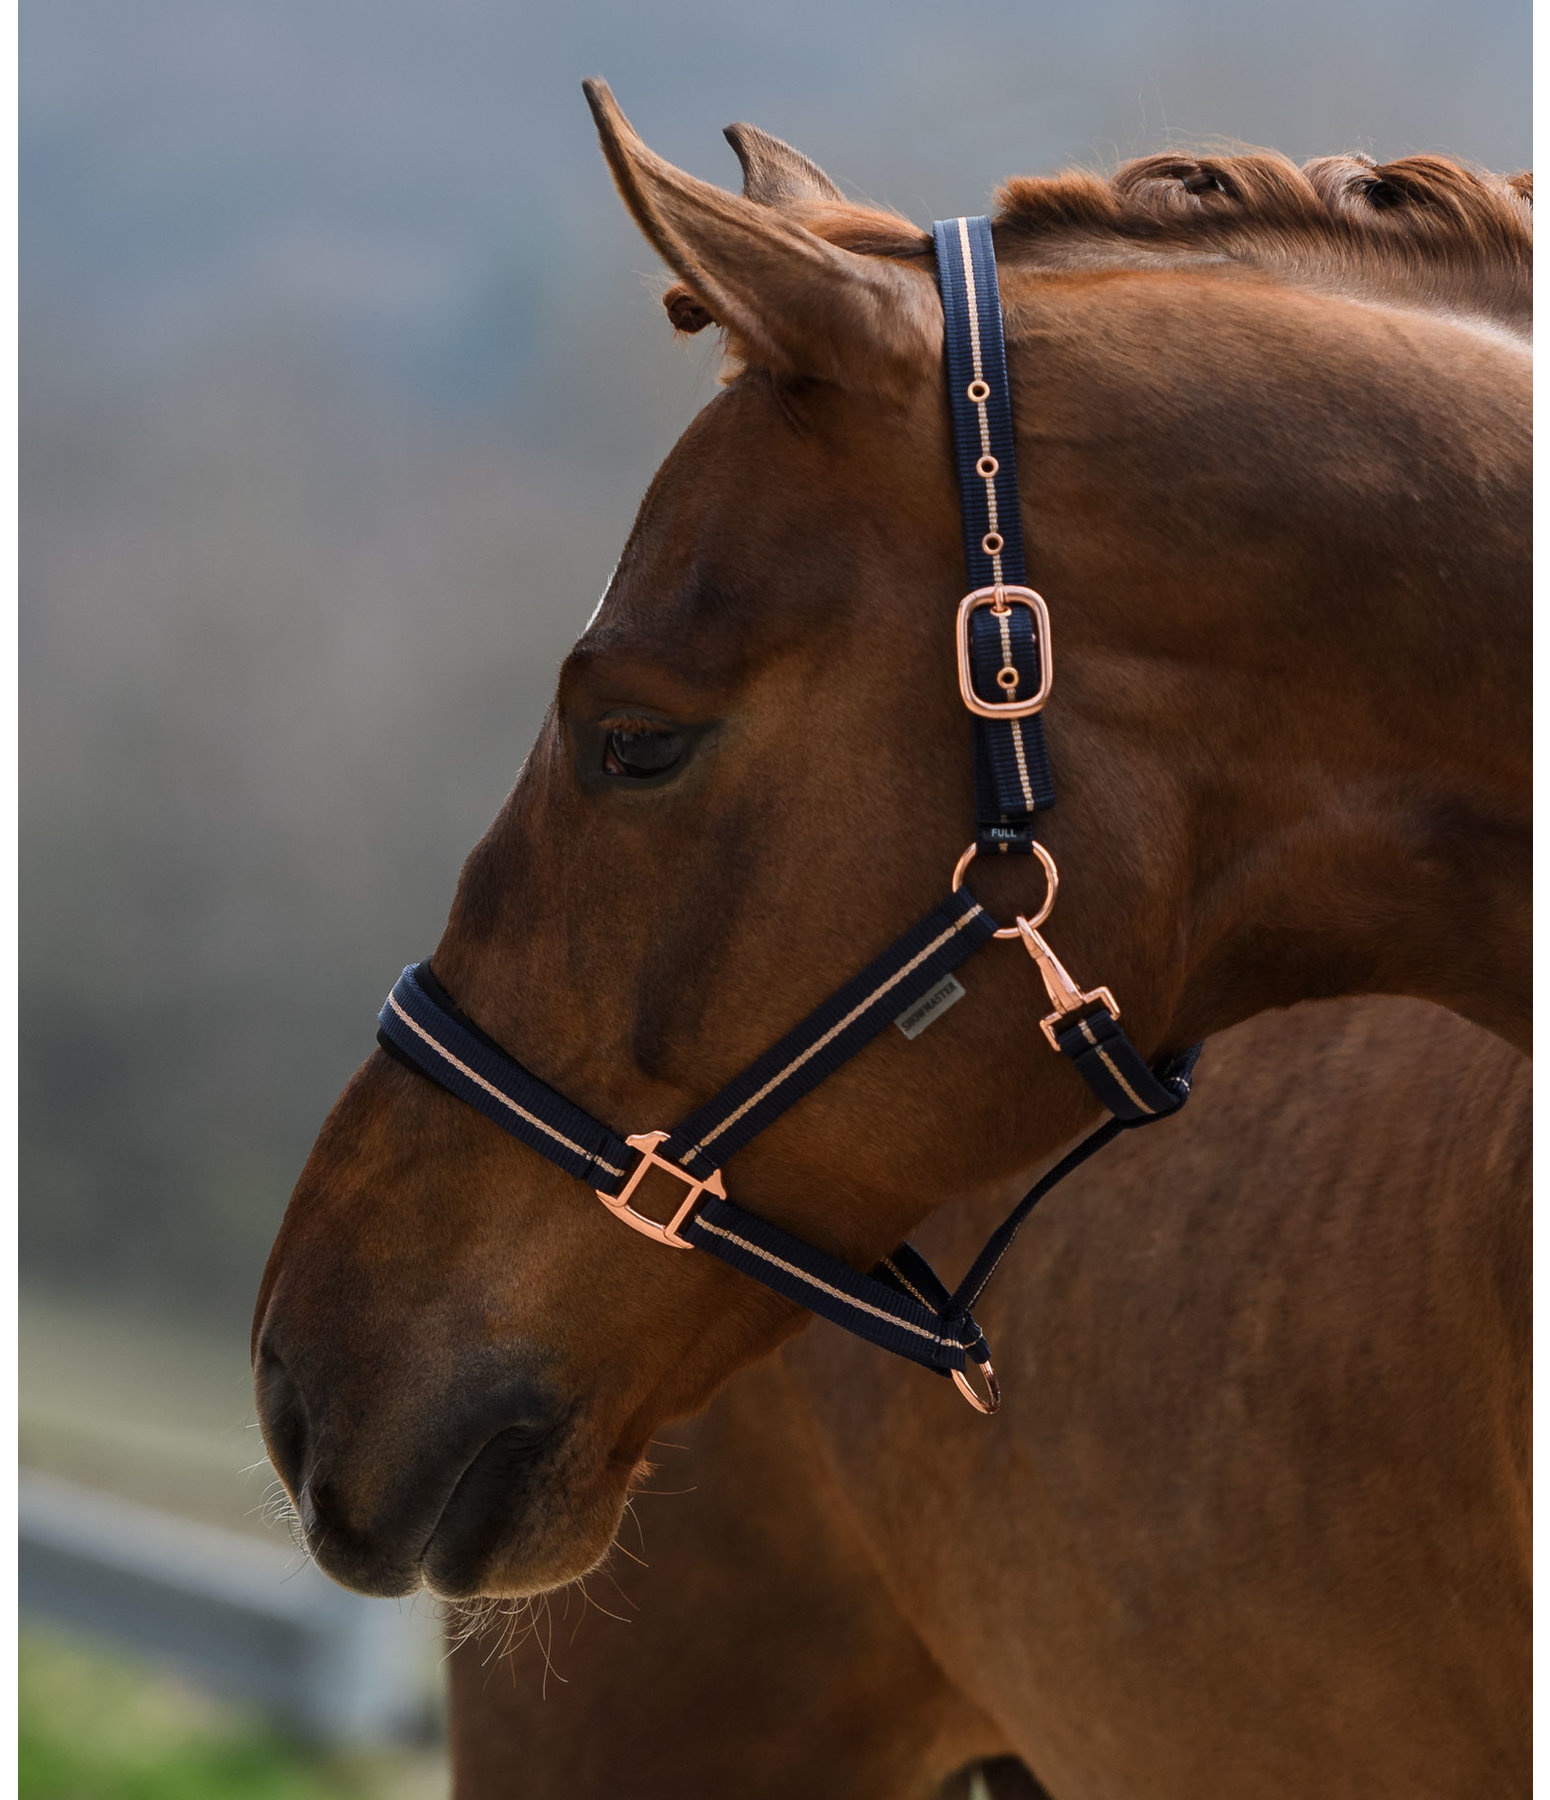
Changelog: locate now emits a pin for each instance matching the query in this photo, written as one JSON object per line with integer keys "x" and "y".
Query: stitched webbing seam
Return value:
{"x": 904, "y": 1281}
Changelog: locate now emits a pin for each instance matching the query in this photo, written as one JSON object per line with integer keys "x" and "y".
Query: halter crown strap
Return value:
{"x": 1012, "y": 777}
{"x": 1001, "y": 643}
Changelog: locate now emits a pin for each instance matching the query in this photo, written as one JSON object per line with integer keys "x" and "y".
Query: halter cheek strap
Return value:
{"x": 1005, "y": 668}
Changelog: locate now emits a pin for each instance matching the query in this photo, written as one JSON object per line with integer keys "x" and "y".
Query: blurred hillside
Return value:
{"x": 342, "y": 375}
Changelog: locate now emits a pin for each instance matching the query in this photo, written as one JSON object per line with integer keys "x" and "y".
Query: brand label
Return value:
{"x": 930, "y": 1006}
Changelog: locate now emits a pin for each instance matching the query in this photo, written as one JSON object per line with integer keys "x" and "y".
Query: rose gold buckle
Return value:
{"x": 619, "y": 1204}
{"x": 1067, "y": 997}
{"x": 1000, "y": 599}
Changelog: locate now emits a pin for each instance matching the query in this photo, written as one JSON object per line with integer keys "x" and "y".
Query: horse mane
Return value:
{"x": 1420, "y": 231}
{"x": 1423, "y": 228}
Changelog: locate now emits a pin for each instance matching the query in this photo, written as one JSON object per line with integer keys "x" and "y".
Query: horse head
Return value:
{"x": 1278, "y": 519}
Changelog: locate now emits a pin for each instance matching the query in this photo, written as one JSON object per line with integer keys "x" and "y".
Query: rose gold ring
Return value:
{"x": 1052, "y": 887}
{"x": 992, "y": 1401}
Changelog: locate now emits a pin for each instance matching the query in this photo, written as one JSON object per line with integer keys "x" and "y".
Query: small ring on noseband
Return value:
{"x": 1007, "y": 678}
{"x": 992, "y": 543}
{"x": 992, "y": 1401}
{"x": 978, "y": 391}
{"x": 1052, "y": 886}
{"x": 987, "y": 468}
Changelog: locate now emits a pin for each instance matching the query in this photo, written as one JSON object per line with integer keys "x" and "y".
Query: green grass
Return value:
{"x": 98, "y": 1727}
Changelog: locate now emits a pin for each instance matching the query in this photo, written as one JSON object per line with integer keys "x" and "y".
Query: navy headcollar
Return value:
{"x": 1004, "y": 673}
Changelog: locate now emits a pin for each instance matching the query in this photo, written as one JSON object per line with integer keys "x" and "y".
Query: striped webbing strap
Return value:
{"x": 1011, "y": 760}
{"x": 419, "y": 1024}
{"x": 1012, "y": 777}
{"x": 901, "y": 1305}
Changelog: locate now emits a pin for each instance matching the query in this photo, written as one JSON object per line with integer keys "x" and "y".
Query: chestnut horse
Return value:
{"x": 1273, "y": 439}
{"x": 1307, "y": 1375}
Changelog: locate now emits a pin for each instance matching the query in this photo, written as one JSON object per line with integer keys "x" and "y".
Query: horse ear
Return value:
{"x": 788, "y": 299}
{"x": 774, "y": 174}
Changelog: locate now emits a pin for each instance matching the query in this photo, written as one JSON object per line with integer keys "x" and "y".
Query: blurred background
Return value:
{"x": 342, "y": 373}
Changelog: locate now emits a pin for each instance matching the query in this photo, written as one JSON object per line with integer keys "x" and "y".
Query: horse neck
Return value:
{"x": 1392, "y": 865}
{"x": 1306, "y": 656}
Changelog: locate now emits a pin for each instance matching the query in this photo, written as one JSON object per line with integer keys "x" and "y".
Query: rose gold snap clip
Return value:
{"x": 1065, "y": 996}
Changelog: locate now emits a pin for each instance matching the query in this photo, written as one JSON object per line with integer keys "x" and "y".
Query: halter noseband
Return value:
{"x": 1004, "y": 676}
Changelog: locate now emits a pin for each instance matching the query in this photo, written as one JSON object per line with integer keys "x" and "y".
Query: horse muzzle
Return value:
{"x": 465, "y": 1485}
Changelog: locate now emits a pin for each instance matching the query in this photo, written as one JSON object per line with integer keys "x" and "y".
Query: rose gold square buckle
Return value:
{"x": 1001, "y": 599}
{"x": 619, "y": 1204}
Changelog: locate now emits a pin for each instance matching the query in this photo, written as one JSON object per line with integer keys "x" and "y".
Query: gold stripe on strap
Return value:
{"x": 834, "y": 1030}
{"x": 505, "y": 1099}
{"x": 1109, "y": 1065}
{"x": 779, "y": 1262}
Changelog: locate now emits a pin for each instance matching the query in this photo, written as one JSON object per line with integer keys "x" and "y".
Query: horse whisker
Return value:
{"x": 603, "y": 1569}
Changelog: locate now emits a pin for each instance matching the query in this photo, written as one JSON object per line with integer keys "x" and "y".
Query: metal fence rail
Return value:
{"x": 231, "y": 1612}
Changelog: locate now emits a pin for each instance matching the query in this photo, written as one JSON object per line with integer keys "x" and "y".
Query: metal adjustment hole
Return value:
{"x": 987, "y": 467}
{"x": 1007, "y": 678}
{"x": 992, "y": 543}
{"x": 978, "y": 391}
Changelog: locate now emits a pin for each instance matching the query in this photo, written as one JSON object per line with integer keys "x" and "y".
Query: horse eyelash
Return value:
{"x": 627, "y": 722}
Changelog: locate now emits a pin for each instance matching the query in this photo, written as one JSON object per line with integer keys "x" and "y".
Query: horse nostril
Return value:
{"x": 283, "y": 1417}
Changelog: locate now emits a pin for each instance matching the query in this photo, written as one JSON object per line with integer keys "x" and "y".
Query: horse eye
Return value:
{"x": 640, "y": 754}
